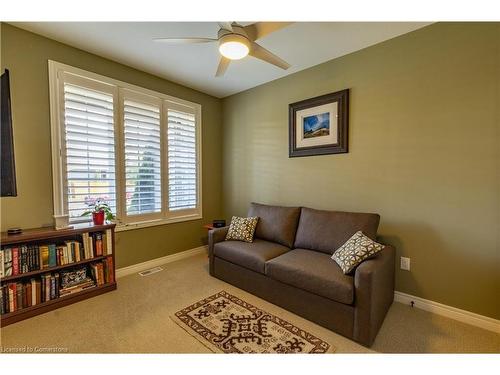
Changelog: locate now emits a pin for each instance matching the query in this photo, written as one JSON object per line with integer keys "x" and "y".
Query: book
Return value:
{"x": 86, "y": 247}
{"x": 25, "y": 259}
{"x": 29, "y": 292}
{"x": 2, "y": 299}
{"x": 33, "y": 292}
{"x": 22, "y": 259}
{"x": 71, "y": 252}
{"x": 101, "y": 273}
{"x": 33, "y": 258}
{"x": 5, "y": 290}
{"x": 84, "y": 284}
{"x": 59, "y": 256}
{"x": 38, "y": 291}
{"x": 95, "y": 274}
{"x": 19, "y": 296}
{"x": 57, "y": 285}
{"x": 47, "y": 287}
{"x": 91, "y": 247}
{"x": 2, "y": 265}
{"x": 12, "y": 297}
{"x": 37, "y": 258}
{"x": 24, "y": 293}
{"x": 44, "y": 256}
{"x": 3, "y": 309}
{"x": 79, "y": 248}
{"x": 52, "y": 255}
{"x": 7, "y": 259}
{"x": 109, "y": 242}
{"x": 104, "y": 244}
{"x": 52, "y": 287}
{"x": 29, "y": 258}
{"x": 15, "y": 261}
{"x": 98, "y": 273}
{"x": 42, "y": 289}
{"x": 77, "y": 252}
{"x": 65, "y": 255}
{"x": 98, "y": 243}
{"x": 110, "y": 273}
{"x": 67, "y": 252}
{"x": 29, "y": 265}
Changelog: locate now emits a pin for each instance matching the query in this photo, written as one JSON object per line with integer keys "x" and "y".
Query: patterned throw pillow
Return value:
{"x": 357, "y": 248}
{"x": 242, "y": 228}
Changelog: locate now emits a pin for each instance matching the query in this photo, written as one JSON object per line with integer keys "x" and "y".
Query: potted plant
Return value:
{"x": 99, "y": 210}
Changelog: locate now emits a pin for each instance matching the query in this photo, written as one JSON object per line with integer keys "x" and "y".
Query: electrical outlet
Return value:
{"x": 405, "y": 263}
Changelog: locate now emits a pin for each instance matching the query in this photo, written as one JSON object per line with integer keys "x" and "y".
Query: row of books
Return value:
{"x": 103, "y": 271}
{"x": 18, "y": 295}
{"x": 27, "y": 258}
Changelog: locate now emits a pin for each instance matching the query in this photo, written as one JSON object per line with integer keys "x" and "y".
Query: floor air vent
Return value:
{"x": 150, "y": 271}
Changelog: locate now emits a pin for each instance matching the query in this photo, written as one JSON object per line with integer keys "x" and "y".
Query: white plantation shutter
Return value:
{"x": 135, "y": 149}
{"x": 142, "y": 149}
{"x": 89, "y": 149}
{"x": 182, "y": 160}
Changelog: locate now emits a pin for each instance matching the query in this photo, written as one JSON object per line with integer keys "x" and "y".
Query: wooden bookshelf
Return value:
{"x": 51, "y": 235}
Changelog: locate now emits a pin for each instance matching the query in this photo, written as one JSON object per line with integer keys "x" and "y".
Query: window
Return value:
{"x": 181, "y": 160}
{"x": 89, "y": 150}
{"x": 135, "y": 149}
{"x": 142, "y": 135}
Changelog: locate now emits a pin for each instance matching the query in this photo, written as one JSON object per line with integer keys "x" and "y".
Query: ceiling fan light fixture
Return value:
{"x": 234, "y": 47}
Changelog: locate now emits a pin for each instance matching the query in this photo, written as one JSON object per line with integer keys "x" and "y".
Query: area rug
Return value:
{"x": 225, "y": 323}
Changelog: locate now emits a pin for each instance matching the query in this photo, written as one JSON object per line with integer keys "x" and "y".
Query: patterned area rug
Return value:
{"x": 225, "y": 323}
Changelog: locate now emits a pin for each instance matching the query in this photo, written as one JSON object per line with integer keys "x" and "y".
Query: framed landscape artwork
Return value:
{"x": 319, "y": 126}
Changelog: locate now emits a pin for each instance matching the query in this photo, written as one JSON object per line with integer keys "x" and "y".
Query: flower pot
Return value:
{"x": 98, "y": 218}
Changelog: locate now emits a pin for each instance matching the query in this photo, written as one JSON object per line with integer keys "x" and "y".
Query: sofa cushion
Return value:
{"x": 357, "y": 249}
{"x": 326, "y": 231}
{"x": 276, "y": 223}
{"x": 249, "y": 255}
{"x": 312, "y": 271}
{"x": 242, "y": 228}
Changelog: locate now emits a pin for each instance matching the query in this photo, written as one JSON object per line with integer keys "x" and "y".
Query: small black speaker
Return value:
{"x": 219, "y": 223}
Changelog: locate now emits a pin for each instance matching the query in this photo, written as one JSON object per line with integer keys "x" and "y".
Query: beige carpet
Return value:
{"x": 135, "y": 318}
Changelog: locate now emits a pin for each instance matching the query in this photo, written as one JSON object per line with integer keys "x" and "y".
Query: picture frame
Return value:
{"x": 320, "y": 125}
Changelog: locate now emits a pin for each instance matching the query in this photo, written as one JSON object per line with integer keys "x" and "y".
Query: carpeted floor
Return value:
{"x": 135, "y": 319}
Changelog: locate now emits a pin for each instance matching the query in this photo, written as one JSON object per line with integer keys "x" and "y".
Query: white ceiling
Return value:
{"x": 302, "y": 44}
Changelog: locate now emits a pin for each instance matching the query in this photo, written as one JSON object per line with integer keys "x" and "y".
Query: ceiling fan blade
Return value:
{"x": 267, "y": 56}
{"x": 226, "y": 26}
{"x": 260, "y": 29}
{"x": 184, "y": 40}
{"x": 223, "y": 64}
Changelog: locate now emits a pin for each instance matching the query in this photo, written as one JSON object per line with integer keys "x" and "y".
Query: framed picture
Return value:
{"x": 319, "y": 126}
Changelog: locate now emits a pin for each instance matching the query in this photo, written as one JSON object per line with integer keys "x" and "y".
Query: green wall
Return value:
{"x": 25, "y": 54}
{"x": 423, "y": 153}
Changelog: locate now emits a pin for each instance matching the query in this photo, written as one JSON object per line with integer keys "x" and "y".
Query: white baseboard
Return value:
{"x": 135, "y": 268}
{"x": 450, "y": 312}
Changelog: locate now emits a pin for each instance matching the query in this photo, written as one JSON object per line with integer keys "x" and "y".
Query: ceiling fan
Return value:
{"x": 237, "y": 41}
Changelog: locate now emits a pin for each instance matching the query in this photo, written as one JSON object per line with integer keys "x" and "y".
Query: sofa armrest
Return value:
{"x": 374, "y": 293}
{"x": 215, "y": 235}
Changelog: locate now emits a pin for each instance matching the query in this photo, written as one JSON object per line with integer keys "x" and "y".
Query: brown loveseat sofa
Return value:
{"x": 289, "y": 265}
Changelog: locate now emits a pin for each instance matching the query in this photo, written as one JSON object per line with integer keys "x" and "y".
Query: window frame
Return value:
{"x": 59, "y": 74}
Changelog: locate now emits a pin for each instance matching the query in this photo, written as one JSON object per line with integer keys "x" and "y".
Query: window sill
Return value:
{"x": 120, "y": 227}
